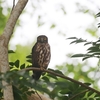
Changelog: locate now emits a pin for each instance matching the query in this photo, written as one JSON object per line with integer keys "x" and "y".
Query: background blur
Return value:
{"x": 57, "y": 19}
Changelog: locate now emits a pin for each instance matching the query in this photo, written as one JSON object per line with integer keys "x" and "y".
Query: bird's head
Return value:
{"x": 42, "y": 39}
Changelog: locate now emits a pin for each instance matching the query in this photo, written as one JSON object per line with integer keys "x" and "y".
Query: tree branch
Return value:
{"x": 17, "y": 10}
{"x": 63, "y": 76}
{"x": 4, "y": 40}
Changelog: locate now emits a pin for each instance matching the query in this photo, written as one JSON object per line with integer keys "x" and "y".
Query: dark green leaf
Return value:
{"x": 11, "y": 63}
{"x": 59, "y": 72}
{"x": 90, "y": 93}
{"x": 30, "y": 61}
{"x": 22, "y": 66}
{"x": 86, "y": 57}
{"x": 17, "y": 63}
{"x": 54, "y": 92}
{"x": 45, "y": 78}
{"x": 11, "y": 51}
{"x": 93, "y": 48}
{"x": 74, "y": 42}
{"x": 96, "y": 53}
{"x": 98, "y": 14}
{"x": 52, "y": 76}
{"x": 72, "y": 38}
{"x": 78, "y": 55}
{"x": 88, "y": 43}
{"x": 65, "y": 91}
{"x": 87, "y": 84}
{"x": 29, "y": 56}
{"x": 63, "y": 84}
{"x": 78, "y": 41}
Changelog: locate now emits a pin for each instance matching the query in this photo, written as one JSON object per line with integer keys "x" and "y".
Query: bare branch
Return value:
{"x": 63, "y": 76}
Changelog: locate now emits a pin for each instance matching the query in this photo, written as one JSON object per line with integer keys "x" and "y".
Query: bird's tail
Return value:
{"x": 36, "y": 76}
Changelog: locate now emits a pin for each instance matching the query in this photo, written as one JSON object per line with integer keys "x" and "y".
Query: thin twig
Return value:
{"x": 13, "y": 6}
{"x": 62, "y": 76}
{"x": 37, "y": 93}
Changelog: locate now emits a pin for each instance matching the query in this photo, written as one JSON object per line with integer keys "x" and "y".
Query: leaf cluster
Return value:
{"x": 56, "y": 87}
{"x": 98, "y": 15}
{"x": 92, "y": 51}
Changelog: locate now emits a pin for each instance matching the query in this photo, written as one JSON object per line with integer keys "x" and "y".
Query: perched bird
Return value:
{"x": 41, "y": 55}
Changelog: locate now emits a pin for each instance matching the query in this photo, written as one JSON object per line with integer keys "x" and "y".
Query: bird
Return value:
{"x": 41, "y": 55}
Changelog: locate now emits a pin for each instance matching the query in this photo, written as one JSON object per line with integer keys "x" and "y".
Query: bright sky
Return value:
{"x": 73, "y": 23}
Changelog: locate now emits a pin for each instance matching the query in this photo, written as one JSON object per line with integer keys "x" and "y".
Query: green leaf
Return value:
{"x": 17, "y": 63}
{"x": 86, "y": 57}
{"x": 22, "y": 66}
{"x": 45, "y": 78}
{"x": 87, "y": 84}
{"x": 29, "y": 56}
{"x": 65, "y": 91}
{"x": 98, "y": 14}
{"x": 11, "y": 63}
{"x": 93, "y": 48}
{"x": 72, "y": 38}
{"x": 17, "y": 93}
{"x": 52, "y": 76}
{"x": 78, "y": 41}
{"x": 30, "y": 61}
{"x": 78, "y": 55}
{"x": 87, "y": 43}
{"x": 54, "y": 92}
{"x": 59, "y": 72}
{"x": 90, "y": 93}
{"x": 11, "y": 51}
{"x": 63, "y": 84}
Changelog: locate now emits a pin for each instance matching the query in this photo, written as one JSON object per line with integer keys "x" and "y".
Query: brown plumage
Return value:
{"x": 40, "y": 55}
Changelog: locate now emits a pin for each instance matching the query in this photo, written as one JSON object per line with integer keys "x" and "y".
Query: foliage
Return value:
{"x": 92, "y": 51}
{"x": 21, "y": 52}
{"x": 56, "y": 87}
{"x": 3, "y": 19}
{"x": 98, "y": 15}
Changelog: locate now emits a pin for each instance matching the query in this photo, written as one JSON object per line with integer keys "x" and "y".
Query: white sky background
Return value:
{"x": 72, "y": 24}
